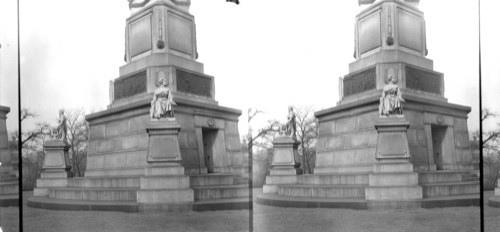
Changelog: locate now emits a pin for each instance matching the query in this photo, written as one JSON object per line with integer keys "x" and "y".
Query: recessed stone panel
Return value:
{"x": 180, "y": 34}
{"x": 130, "y": 86}
{"x": 193, "y": 83}
{"x": 140, "y": 36}
{"x": 163, "y": 147}
{"x": 422, "y": 80}
{"x": 410, "y": 30}
{"x": 360, "y": 82}
{"x": 369, "y": 32}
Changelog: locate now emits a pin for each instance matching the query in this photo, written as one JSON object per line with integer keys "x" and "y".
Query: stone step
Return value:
{"x": 9, "y": 188}
{"x": 322, "y": 191}
{"x": 220, "y": 192}
{"x": 211, "y": 179}
{"x": 319, "y": 179}
{"x": 164, "y": 182}
{"x": 450, "y": 188}
{"x": 383, "y": 193}
{"x": 393, "y": 179}
{"x": 105, "y": 182}
{"x": 8, "y": 177}
{"x": 94, "y": 194}
{"x": 439, "y": 176}
{"x": 470, "y": 177}
{"x": 155, "y": 196}
{"x": 241, "y": 181}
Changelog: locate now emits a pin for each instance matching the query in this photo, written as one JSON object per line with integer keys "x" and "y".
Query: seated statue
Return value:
{"x": 289, "y": 128}
{"x": 390, "y": 102}
{"x": 161, "y": 105}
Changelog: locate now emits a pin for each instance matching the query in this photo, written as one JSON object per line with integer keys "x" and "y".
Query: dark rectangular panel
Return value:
{"x": 131, "y": 85}
{"x": 360, "y": 82}
{"x": 193, "y": 83}
{"x": 418, "y": 79}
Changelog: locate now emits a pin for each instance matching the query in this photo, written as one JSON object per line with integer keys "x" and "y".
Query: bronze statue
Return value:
{"x": 289, "y": 128}
{"x": 390, "y": 102}
{"x": 161, "y": 105}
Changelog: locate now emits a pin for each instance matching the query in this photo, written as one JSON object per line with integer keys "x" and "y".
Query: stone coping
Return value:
{"x": 374, "y": 101}
{"x": 147, "y": 103}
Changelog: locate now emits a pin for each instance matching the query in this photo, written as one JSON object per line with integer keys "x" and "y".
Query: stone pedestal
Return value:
{"x": 163, "y": 148}
{"x": 393, "y": 177}
{"x": 285, "y": 161}
{"x": 164, "y": 180}
{"x": 55, "y": 172}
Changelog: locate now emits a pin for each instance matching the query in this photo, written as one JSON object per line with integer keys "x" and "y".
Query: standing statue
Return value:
{"x": 390, "y": 102}
{"x": 62, "y": 129}
{"x": 289, "y": 128}
{"x": 161, "y": 105}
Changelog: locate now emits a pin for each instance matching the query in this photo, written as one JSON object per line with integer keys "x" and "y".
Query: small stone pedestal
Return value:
{"x": 285, "y": 161}
{"x": 55, "y": 172}
{"x": 494, "y": 201}
{"x": 393, "y": 178}
{"x": 164, "y": 180}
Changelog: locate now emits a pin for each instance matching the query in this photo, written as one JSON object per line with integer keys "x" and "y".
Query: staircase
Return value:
{"x": 348, "y": 190}
{"x": 121, "y": 193}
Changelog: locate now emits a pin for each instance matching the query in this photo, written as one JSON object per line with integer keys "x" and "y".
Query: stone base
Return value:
{"x": 285, "y": 153}
{"x": 285, "y": 170}
{"x": 164, "y": 142}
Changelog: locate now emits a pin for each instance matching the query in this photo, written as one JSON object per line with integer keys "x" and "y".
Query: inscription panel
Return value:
{"x": 131, "y": 85}
{"x": 140, "y": 36}
{"x": 360, "y": 82}
{"x": 410, "y": 31}
{"x": 369, "y": 32}
{"x": 180, "y": 34}
{"x": 193, "y": 83}
{"x": 421, "y": 80}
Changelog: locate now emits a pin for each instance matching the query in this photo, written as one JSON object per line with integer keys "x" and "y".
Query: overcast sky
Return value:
{"x": 264, "y": 54}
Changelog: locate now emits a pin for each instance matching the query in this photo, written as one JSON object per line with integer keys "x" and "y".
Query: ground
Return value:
{"x": 265, "y": 218}
{"x": 491, "y": 215}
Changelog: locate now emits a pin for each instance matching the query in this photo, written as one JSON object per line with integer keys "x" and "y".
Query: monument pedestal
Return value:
{"x": 285, "y": 161}
{"x": 393, "y": 177}
{"x": 55, "y": 172}
{"x": 164, "y": 180}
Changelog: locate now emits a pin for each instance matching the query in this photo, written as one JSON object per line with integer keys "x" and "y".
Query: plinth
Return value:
{"x": 55, "y": 172}
{"x": 393, "y": 177}
{"x": 164, "y": 180}
{"x": 285, "y": 161}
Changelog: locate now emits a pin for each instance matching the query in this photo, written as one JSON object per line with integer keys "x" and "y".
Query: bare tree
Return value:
{"x": 307, "y": 134}
{"x": 77, "y": 138}
{"x": 491, "y": 151}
